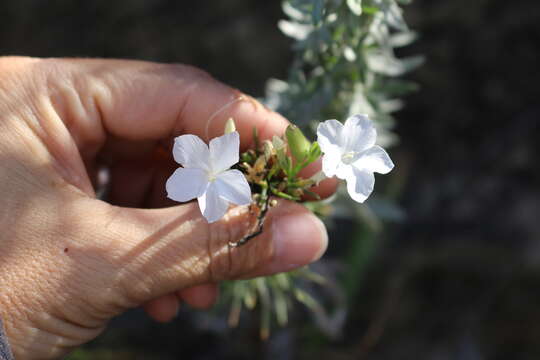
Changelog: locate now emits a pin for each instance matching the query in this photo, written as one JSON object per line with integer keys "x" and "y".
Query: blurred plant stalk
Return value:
{"x": 344, "y": 64}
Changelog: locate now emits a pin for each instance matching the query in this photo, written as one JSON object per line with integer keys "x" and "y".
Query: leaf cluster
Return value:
{"x": 273, "y": 167}
{"x": 274, "y": 294}
{"x": 344, "y": 62}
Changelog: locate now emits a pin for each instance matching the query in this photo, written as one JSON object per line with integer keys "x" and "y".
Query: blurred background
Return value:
{"x": 459, "y": 276}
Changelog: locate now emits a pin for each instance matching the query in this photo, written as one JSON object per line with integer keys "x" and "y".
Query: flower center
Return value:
{"x": 211, "y": 177}
{"x": 348, "y": 157}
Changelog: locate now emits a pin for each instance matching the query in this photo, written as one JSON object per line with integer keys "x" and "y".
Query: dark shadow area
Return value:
{"x": 236, "y": 41}
{"x": 467, "y": 257}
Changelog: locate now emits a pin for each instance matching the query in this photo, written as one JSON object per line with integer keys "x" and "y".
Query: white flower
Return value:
{"x": 350, "y": 154}
{"x": 205, "y": 174}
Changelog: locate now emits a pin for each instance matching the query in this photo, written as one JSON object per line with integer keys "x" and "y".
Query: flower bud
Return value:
{"x": 230, "y": 126}
{"x": 298, "y": 143}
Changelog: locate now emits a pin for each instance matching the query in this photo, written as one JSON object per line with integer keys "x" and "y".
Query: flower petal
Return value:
{"x": 330, "y": 162}
{"x": 212, "y": 206}
{"x": 329, "y": 135}
{"x": 358, "y": 134}
{"x": 224, "y": 151}
{"x": 375, "y": 159}
{"x": 233, "y": 186}
{"x": 360, "y": 184}
{"x": 186, "y": 184}
{"x": 191, "y": 152}
{"x": 343, "y": 171}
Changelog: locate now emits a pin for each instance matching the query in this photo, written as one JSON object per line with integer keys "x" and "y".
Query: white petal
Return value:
{"x": 344, "y": 171}
{"x": 186, "y": 184}
{"x": 375, "y": 159}
{"x": 224, "y": 151}
{"x": 212, "y": 206}
{"x": 330, "y": 162}
{"x": 360, "y": 184}
{"x": 329, "y": 135}
{"x": 191, "y": 152}
{"x": 233, "y": 186}
{"x": 358, "y": 134}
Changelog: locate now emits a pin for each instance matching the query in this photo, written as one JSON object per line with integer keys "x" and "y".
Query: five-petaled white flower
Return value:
{"x": 350, "y": 154}
{"x": 205, "y": 174}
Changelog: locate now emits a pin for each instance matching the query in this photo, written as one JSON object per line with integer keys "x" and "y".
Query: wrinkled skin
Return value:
{"x": 70, "y": 262}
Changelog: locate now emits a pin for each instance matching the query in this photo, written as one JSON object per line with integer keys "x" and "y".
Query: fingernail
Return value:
{"x": 298, "y": 239}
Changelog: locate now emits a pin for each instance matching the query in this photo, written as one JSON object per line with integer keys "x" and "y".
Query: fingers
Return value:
{"x": 128, "y": 104}
{"x": 164, "y": 308}
{"x": 200, "y": 296}
{"x": 124, "y": 109}
{"x": 175, "y": 248}
{"x": 123, "y": 112}
{"x": 139, "y": 100}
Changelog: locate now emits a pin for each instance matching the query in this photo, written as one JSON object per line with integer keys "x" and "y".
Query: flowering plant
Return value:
{"x": 344, "y": 64}
{"x": 273, "y": 167}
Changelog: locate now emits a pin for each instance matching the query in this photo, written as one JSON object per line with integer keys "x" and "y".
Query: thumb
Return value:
{"x": 165, "y": 250}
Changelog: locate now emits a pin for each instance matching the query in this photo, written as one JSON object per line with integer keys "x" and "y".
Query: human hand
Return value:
{"x": 70, "y": 262}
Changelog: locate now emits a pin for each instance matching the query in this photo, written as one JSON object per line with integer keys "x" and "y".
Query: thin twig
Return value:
{"x": 260, "y": 225}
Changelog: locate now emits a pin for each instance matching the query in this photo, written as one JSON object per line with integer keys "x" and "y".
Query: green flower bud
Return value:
{"x": 298, "y": 143}
{"x": 230, "y": 126}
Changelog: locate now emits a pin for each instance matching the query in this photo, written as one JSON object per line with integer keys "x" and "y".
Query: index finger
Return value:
{"x": 134, "y": 105}
{"x": 139, "y": 100}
